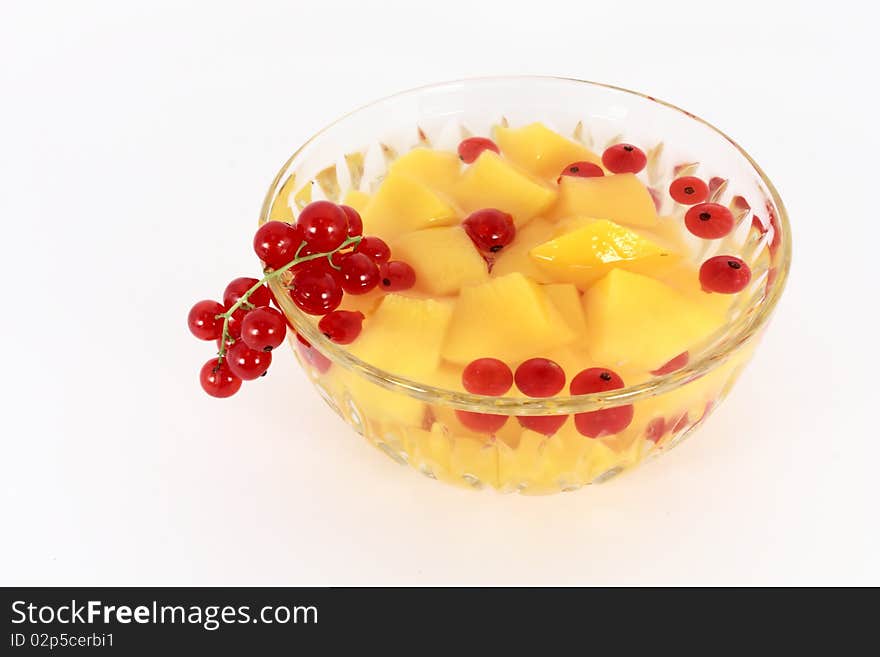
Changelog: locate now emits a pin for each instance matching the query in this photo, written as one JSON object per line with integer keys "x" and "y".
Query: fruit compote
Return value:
{"x": 526, "y": 265}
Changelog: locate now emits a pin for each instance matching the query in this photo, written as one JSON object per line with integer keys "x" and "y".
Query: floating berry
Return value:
{"x": 724, "y": 274}
{"x": 342, "y": 326}
{"x": 674, "y": 364}
{"x": 246, "y": 363}
{"x": 263, "y": 329}
{"x": 607, "y": 421}
{"x": 544, "y": 424}
{"x": 581, "y": 170}
{"x": 709, "y": 220}
{"x": 396, "y": 275}
{"x": 276, "y": 243}
{"x": 324, "y": 225}
{"x": 218, "y": 380}
{"x": 656, "y": 429}
{"x": 487, "y": 376}
{"x": 490, "y": 229}
{"x": 375, "y": 248}
{"x": 469, "y": 149}
{"x": 312, "y": 356}
{"x": 355, "y": 223}
{"x": 360, "y": 273}
{"x": 315, "y": 292}
{"x": 688, "y": 190}
{"x": 236, "y": 289}
{"x": 203, "y": 321}
{"x": 624, "y": 158}
{"x": 539, "y": 377}
{"x": 481, "y": 422}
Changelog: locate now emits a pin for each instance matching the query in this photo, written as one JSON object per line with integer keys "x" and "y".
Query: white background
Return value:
{"x": 136, "y": 142}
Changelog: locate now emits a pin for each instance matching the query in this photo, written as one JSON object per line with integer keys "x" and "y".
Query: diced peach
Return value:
{"x": 636, "y": 321}
{"x": 541, "y": 151}
{"x": 444, "y": 259}
{"x": 402, "y": 205}
{"x": 509, "y": 318}
{"x": 585, "y": 254}
{"x": 621, "y": 198}
{"x": 493, "y": 182}
{"x": 436, "y": 169}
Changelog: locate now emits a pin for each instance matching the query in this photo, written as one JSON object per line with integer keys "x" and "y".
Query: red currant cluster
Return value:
{"x": 320, "y": 257}
{"x": 542, "y": 377}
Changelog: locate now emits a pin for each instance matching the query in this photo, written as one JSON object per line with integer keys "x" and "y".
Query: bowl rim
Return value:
{"x": 736, "y": 334}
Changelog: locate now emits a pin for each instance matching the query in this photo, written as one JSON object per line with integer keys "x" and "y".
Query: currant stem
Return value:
{"x": 276, "y": 273}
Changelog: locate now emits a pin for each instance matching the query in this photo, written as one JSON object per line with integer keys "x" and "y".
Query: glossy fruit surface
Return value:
{"x": 218, "y": 380}
{"x": 276, "y": 242}
{"x": 490, "y": 229}
{"x": 203, "y": 322}
{"x": 324, "y": 225}
{"x": 315, "y": 292}
{"x": 263, "y": 329}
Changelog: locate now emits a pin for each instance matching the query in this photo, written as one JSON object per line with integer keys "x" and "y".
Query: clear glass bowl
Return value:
{"x": 415, "y": 423}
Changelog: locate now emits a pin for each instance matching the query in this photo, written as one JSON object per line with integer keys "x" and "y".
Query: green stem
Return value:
{"x": 243, "y": 301}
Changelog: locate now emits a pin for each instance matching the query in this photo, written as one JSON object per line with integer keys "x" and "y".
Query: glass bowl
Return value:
{"x": 415, "y": 423}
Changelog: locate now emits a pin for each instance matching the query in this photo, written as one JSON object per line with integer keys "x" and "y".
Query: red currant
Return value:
{"x": 236, "y": 289}
{"x": 315, "y": 292}
{"x": 234, "y": 323}
{"x": 656, "y": 429}
{"x": 481, "y": 422}
{"x": 545, "y": 424}
{"x": 229, "y": 343}
{"x": 581, "y": 170}
{"x": 203, "y": 321}
{"x": 607, "y": 421}
{"x": 263, "y": 329}
{"x": 246, "y": 363}
{"x": 724, "y": 274}
{"x": 396, "y": 275}
{"x": 360, "y": 273}
{"x": 355, "y": 223}
{"x": 342, "y": 326}
{"x": 469, "y": 149}
{"x": 321, "y": 265}
{"x": 490, "y": 229}
{"x": 276, "y": 243}
{"x": 312, "y": 356}
{"x": 688, "y": 190}
{"x": 218, "y": 380}
{"x": 624, "y": 158}
{"x": 671, "y": 366}
{"x": 324, "y": 225}
{"x": 709, "y": 220}
{"x": 487, "y": 376}
{"x": 539, "y": 377}
{"x": 375, "y": 248}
